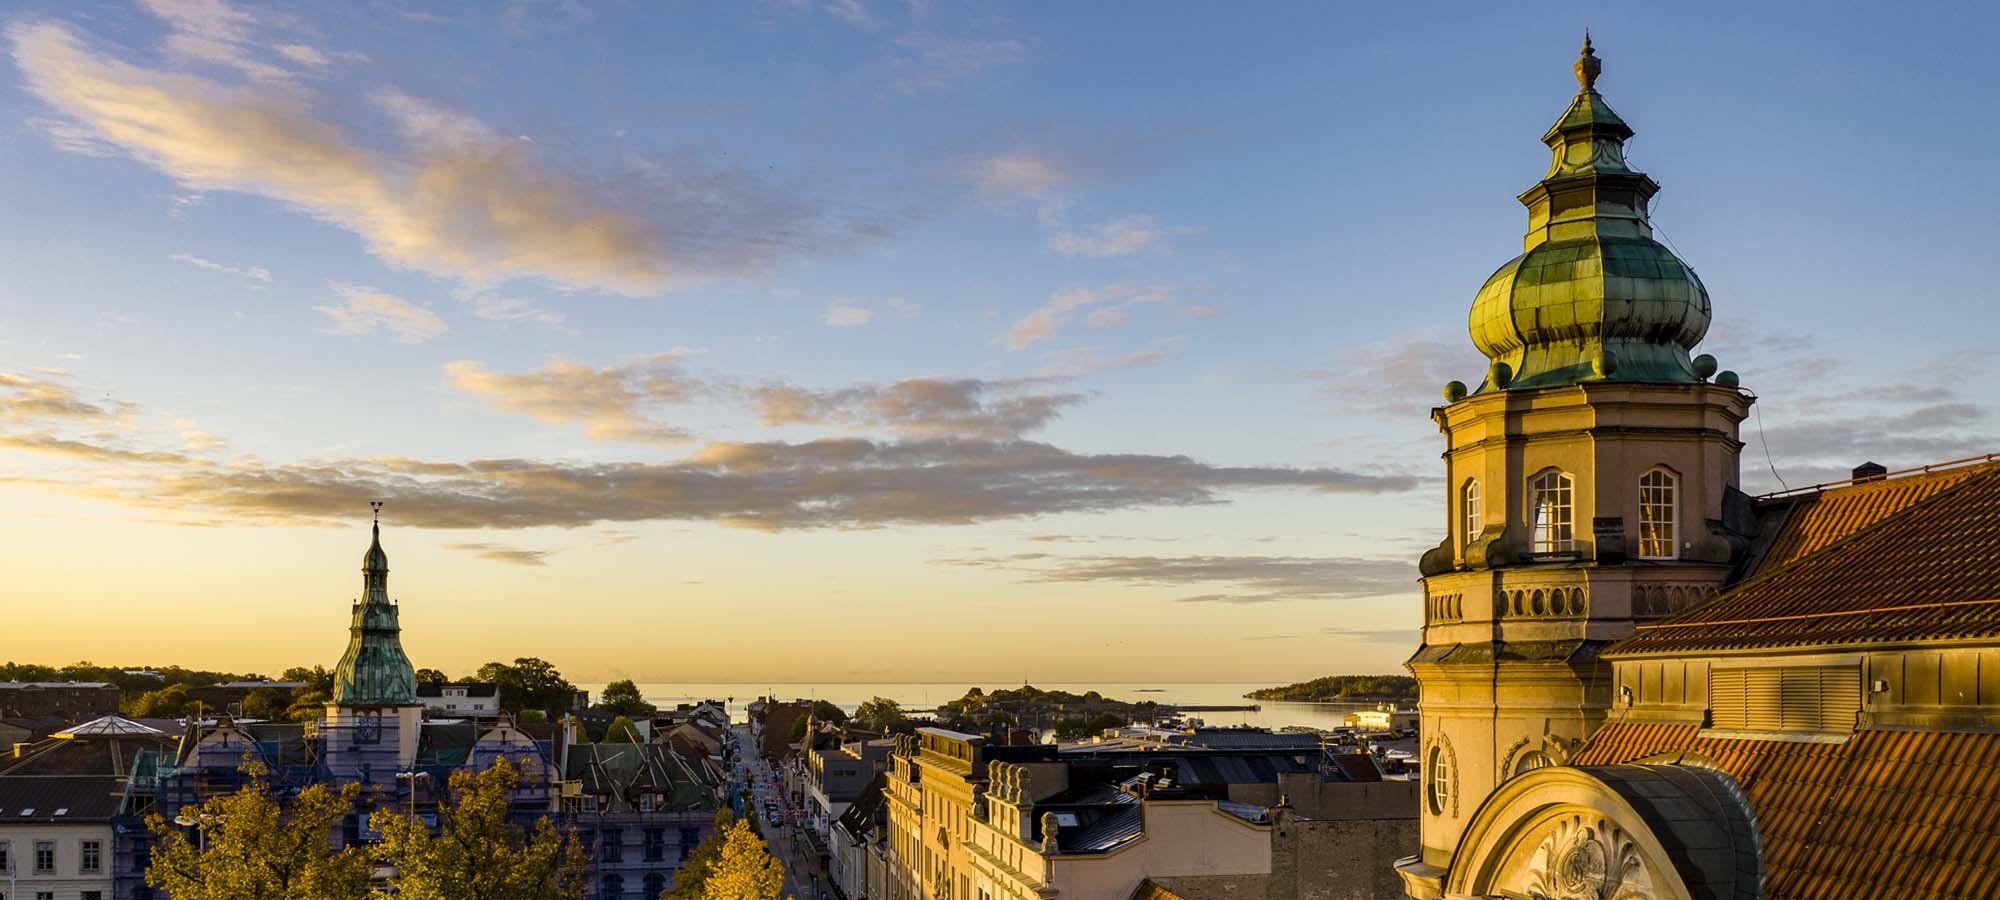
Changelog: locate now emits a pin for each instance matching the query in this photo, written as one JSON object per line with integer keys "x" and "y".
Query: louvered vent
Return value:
{"x": 1814, "y": 698}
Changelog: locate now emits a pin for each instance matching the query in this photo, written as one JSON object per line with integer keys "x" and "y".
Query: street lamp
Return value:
{"x": 200, "y": 822}
{"x": 413, "y": 778}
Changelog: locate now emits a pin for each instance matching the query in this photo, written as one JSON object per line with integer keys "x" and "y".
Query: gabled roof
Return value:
{"x": 1930, "y": 570}
{"x": 1886, "y": 814}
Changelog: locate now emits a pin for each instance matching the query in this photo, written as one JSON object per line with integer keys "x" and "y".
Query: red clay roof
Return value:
{"x": 1910, "y": 815}
{"x": 1816, "y": 520}
{"x": 1928, "y": 571}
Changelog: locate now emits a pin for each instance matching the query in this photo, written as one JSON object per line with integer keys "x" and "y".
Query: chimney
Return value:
{"x": 1870, "y": 471}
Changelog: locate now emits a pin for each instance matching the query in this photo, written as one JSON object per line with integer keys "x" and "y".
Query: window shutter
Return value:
{"x": 1800, "y": 698}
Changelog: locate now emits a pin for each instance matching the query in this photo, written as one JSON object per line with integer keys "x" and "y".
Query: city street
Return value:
{"x": 767, "y": 790}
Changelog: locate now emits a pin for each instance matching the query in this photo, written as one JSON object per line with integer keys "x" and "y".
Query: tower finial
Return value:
{"x": 376, "y": 505}
{"x": 1588, "y": 65}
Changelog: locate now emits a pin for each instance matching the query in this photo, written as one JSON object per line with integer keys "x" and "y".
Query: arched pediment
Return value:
{"x": 1630, "y": 832}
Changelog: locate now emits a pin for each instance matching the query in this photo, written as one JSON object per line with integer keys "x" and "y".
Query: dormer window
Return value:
{"x": 1551, "y": 513}
{"x": 1468, "y": 502}
{"x": 1657, "y": 531}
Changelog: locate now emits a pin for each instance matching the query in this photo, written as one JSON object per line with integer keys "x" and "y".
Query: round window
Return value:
{"x": 1438, "y": 773}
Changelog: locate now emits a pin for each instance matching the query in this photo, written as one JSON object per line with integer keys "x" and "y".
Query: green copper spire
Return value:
{"x": 374, "y": 671}
{"x": 1594, "y": 297}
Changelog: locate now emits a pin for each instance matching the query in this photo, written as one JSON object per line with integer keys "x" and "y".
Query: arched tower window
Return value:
{"x": 1468, "y": 502}
{"x": 1658, "y": 536}
{"x": 1551, "y": 514}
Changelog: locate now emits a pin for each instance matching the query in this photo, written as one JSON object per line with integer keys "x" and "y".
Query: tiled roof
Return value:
{"x": 1813, "y": 521}
{"x": 1910, "y": 815}
{"x": 1930, "y": 571}
{"x": 1149, "y": 889}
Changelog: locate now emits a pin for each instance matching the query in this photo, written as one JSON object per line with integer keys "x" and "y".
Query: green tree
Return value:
{"x": 170, "y": 702}
{"x": 310, "y": 700}
{"x": 621, "y": 731}
{"x": 529, "y": 683}
{"x": 884, "y": 715}
{"x": 266, "y": 703}
{"x": 478, "y": 854}
{"x": 432, "y": 676}
{"x": 248, "y": 848}
{"x": 622, "y": 697}
{"x": 822, "y": 711}
{"x": 743, "y": 868}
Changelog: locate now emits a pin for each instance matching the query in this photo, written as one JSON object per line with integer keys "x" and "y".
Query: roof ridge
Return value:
{"x": 1896, "y": 517}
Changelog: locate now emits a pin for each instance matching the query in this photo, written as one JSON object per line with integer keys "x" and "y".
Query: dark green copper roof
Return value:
{"x": 1593, "y": 297}
{"x": 374, "y": 671}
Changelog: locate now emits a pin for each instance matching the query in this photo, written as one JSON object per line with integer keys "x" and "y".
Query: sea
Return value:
{"x": 927, "y": 696}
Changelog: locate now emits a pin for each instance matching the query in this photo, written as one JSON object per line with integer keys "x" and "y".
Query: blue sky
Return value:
{"x": 1104, "y": 324}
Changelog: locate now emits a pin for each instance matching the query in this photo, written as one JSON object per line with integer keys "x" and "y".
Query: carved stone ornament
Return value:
{"x": 1588, "y": 858}
{"x": 979, "y": 802}
{"x": 1049, "y": 828}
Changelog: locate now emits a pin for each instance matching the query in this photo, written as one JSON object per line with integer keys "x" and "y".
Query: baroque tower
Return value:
{"x": 1591, "y": 479}
{"x": 373, "y": 721}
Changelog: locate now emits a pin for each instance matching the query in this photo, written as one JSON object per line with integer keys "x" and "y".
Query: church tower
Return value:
{"x": 1591, "y": 479}
{"x": 371, "y": 727}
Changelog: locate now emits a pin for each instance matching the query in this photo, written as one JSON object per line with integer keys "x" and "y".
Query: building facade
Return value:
{"x": 1639, "y": 682}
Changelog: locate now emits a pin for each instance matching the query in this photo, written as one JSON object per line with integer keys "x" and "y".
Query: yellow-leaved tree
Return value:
{"x": 247, "y": 847}
{"x": 743, "y": 869}
{"x": 478, "y": 853}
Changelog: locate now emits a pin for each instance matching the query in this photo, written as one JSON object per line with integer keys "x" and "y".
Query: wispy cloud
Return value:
{"x": 1406, "y": 636}
{"x": 1121, "y": 237}
{"x": 259, "y": 275}
{"x": 935, "y": 61}
{"x": 456, "y": 198}
{"x": 1107, "y": 306}
{"x": 846, "y": 315}
{"x": 615, "y": 403}
{"x": 53, "y": 397}
{"x": 364, "y": 310}
{"x": 502, "y": 553}
{"x": 1249, "y": 579}
{"x": 1020, "y": 173}
{"x": 512, "y": 309}
{"x": 920, "y": 407}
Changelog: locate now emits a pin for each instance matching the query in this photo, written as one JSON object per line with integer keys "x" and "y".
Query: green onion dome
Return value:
{"x": 1594, "y": 297}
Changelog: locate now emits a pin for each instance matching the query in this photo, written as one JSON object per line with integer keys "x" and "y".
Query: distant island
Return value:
{"x": 1344, "y": 689}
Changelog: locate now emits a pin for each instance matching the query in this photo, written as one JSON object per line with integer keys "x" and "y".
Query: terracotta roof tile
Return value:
{"x": 1816, "y": 520}
{"x": 1930, "y": 571}
{"x": 1913, "y": 815}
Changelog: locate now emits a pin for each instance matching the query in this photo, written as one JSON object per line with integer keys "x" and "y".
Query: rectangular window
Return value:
{"x": 656, "y": 845}
{"x": 45, "y": 857}
{"x": 93, "y": 857}
{"x": 6, "y": 861}
{"x": 93, "y": 895}
{"x": 610, "y": 846}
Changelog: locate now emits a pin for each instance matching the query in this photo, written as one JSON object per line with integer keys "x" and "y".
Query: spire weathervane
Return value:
{"x": 1588, "y": 65}
{"x": 376, "y": 505}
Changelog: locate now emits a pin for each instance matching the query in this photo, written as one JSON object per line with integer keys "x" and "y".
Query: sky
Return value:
{"x": 865, "y": 340}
